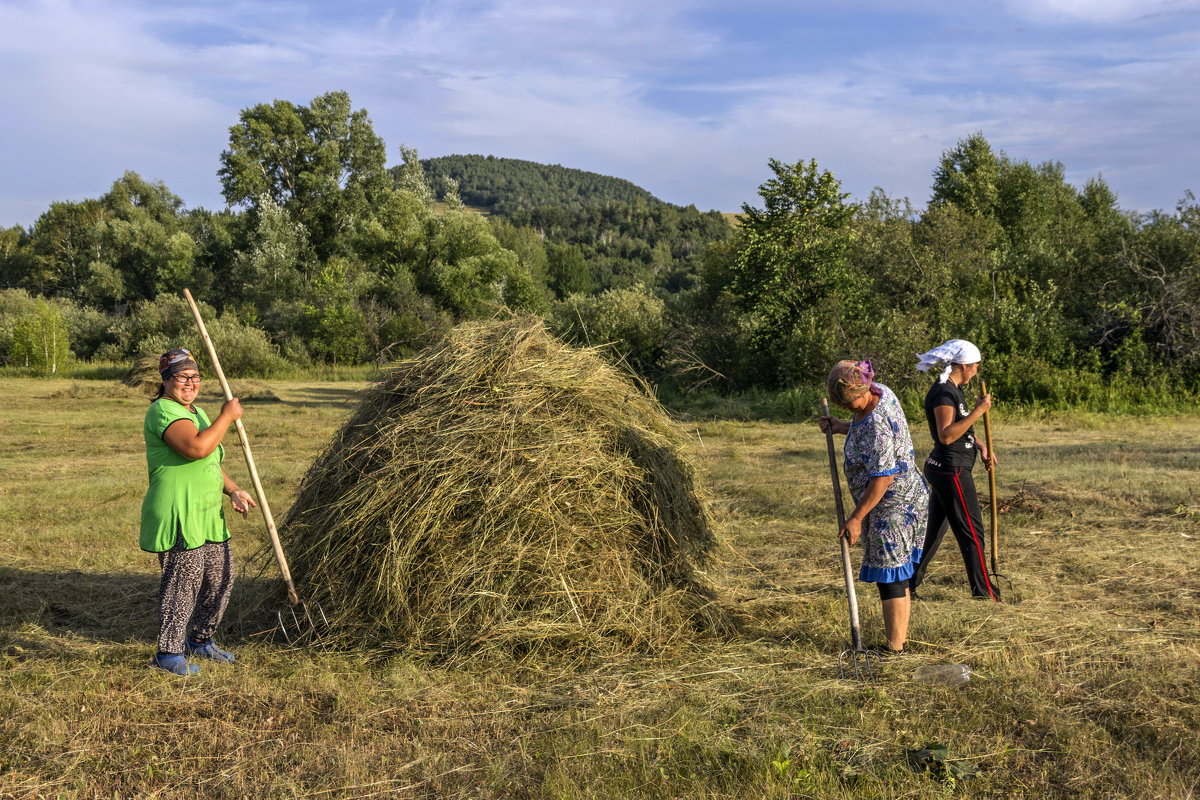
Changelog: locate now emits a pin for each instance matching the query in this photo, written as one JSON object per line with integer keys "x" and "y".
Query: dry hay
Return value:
{"x": 143, "y": 375}
{"x": 503, "y": 489}
{"x": 90, "y": 390}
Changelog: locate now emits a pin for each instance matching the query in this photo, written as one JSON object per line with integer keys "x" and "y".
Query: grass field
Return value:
{"x": 1087, "y": 687}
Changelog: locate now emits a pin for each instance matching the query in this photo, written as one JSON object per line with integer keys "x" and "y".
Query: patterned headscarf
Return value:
{"x": 851, "y": 379}
{"x": 955, "y": 351}
{"x": 176, "y": 360}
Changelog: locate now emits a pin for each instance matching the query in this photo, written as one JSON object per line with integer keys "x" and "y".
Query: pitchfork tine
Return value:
{"x": 861, "y": 662}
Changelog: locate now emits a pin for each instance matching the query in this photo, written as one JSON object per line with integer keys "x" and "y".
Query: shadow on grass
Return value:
{"x": 114, "y": 607}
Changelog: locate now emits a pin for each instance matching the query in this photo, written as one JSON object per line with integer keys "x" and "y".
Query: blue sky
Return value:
{"x": 687, "y": 98}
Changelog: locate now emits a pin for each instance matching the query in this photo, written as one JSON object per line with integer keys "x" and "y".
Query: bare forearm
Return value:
{"x": 956, "y": 430}
{"x": 230, "y": 485}
{"x": 875, "y": 490}
{"x": 210, "y": 438}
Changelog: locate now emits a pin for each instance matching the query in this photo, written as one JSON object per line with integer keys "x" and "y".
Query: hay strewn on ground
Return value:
{"x": 79, "y": 390}
{"x": 503, "y": 489}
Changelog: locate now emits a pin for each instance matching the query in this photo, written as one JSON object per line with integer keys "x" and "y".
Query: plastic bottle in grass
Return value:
{"x": 943, "y": 674}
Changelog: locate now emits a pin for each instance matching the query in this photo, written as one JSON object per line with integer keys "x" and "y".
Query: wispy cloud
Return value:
{"x": 1098, "y": 11}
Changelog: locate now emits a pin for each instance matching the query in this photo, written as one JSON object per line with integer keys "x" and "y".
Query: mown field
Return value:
{"x": 1089, "y": 686}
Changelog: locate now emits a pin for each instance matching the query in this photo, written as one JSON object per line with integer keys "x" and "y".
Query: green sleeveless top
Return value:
{"x": 185, "y": 496}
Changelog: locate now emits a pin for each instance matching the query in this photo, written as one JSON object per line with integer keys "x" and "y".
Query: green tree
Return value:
{"x": 793, "y": 272}
{"x": 393, "y": 239}
{"x": 272, "y": 267}
{"x": 13, "y": 304}
{"x": 337, "y": 328}
{"x": 568, "y": 270}
{"x": 39, "y": 339}
{"x": 466, "y": 271}
{"x": 967, "y": 177}
{"x": 322, "y": 163}
{"x": 529, "y": 247}
{"x": 410, "y": 176}
{"x": 64, "y": 242}
{"x": 16, "y": 259}
{"x": 143, "y": 250}
{"x": 1163, "y": 265}
{"x": 217, "y": 235}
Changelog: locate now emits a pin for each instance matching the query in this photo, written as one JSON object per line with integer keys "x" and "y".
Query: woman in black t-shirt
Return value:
{"x": 953, "y": 500}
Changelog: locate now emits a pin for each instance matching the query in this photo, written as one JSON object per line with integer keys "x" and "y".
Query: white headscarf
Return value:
{"x": 955, "y": 351}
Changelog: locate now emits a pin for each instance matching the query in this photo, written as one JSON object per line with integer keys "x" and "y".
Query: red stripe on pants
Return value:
{"x": 978, "y": 547}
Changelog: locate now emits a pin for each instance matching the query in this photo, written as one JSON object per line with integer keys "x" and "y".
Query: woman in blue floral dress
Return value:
{"x": 890, "y": 494}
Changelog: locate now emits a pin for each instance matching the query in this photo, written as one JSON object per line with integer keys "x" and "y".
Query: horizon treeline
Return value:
{"x": 327, "y": 255}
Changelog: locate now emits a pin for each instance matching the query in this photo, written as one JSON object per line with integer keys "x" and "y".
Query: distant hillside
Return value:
{"x": 506, "y": 186}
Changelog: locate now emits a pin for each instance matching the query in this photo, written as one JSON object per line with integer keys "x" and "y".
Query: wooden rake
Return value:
{"x": 857, "y": 661}
{"x": 297, "y": 621}
{"x": 994, "y": 504}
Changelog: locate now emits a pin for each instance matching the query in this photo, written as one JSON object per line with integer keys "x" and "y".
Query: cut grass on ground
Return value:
{"x": 1086, "y": 688}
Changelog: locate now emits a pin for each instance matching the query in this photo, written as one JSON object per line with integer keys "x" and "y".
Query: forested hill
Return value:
{"x": 505, "y": 186}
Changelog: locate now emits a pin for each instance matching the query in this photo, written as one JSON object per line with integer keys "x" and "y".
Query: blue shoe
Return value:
{"x": 207, "y": 649}
{"x": 174, "y": 662}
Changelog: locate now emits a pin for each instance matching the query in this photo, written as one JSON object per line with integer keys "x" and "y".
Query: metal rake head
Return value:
{"x": 858, "y": 663}
{"x": 304, "y": 622}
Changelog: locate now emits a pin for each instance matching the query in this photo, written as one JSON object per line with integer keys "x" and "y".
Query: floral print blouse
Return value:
{"x": 894, "y": 532}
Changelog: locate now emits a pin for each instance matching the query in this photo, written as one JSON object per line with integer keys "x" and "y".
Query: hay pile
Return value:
{"x": 502, "y": 489}
{"x": 143, "y": 375}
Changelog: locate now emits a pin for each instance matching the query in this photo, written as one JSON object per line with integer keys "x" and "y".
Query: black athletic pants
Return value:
{"x": 953, "y": 502}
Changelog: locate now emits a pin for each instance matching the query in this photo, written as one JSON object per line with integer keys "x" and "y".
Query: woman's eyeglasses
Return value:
{"x": 188, "y": 380}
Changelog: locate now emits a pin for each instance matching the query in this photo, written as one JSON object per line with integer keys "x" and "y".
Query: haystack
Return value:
{"x": 143, "y": 375}
{"x": 503, "y": 489}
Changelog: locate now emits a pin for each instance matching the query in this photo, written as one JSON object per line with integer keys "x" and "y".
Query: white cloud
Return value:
{"x": 1097, "y": 11}
{"x": 109, "y": 86}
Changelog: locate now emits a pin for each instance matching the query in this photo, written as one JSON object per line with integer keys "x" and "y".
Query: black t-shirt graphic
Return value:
{"x": 960, "y": 452}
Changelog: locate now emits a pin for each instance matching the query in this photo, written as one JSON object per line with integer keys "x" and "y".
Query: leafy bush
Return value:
{"x": 630, "y": 321}
{"x": 155, "y": 326}
{"x": 13, "y": 304}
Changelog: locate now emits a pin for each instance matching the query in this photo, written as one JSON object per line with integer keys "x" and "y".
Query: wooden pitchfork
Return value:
{"x": 297, "y": 620}
{"x": 995, "y": 503}
{"x": 857, "y": 660}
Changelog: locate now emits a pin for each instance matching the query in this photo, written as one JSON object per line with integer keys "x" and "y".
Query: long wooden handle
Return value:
{"x": 847, "y": 570}
{"x": 987, "y": 435}
{"x": 263, "y": 505}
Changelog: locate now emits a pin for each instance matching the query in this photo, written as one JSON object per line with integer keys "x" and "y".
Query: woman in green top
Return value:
{"x": 183, "y": 520}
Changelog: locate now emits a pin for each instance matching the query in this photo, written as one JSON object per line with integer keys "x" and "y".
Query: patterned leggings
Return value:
{"x": 195, "y": 587}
